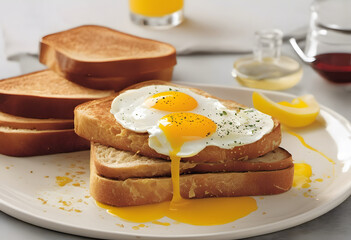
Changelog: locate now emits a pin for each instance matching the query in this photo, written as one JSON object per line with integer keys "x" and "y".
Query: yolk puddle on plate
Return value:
{"x": 203, "y": 212}
{"x": 206, "y": 211}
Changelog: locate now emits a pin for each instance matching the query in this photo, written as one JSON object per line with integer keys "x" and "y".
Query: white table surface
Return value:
{"x": 216, "y": 69}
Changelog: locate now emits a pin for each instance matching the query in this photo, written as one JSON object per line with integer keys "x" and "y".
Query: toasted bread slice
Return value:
{"x": 94, "y": 122}
{"x": 26, "y": 142}
{"x": 139, "y": 191}
{"x": 44, "y": 94}
{"x": 7, "y": 120}
{"x": 117, "y": 164}
{"x": 102, "y": 58}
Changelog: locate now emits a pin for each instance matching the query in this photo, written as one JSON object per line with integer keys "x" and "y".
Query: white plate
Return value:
{"x": 28, "y": 188}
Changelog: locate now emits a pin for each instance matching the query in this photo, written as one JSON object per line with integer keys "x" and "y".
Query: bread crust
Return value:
{"x": 116, "y": 164}
{"x": 32, "y": 105}
{"x": 39, "y": 107}
{"x": 140, "y": 191}
{"x": 24, "y": 143}
{"x": 94, "y": 122}
{"x": 116, "y": 83}
{"x": 109, "y": 72}
{"x": 7, "y": 120}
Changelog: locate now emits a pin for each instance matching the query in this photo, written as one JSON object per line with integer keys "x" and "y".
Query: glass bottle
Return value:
{"x": 267, "y": 69}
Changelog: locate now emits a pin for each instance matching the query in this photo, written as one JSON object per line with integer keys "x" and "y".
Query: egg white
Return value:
{"x": 234, "y": 127}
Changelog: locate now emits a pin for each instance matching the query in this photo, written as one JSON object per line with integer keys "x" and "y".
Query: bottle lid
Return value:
{"x": 267, "y": 44}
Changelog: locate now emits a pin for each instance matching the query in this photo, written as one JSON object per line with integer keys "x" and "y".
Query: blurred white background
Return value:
{"x": 210, "y": 26}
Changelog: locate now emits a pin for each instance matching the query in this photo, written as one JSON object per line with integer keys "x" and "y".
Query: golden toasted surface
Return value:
{"x": 97, "y": 43}
{"x": 47, "y": 83}
{"x": 94, "y": 122}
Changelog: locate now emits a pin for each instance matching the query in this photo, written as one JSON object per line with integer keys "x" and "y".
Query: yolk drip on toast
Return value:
{"x": 179, "y": 128}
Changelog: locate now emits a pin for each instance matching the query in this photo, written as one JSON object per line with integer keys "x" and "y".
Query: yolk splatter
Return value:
{"x": 303, "y": 171}
{"x": 62, "y": 181}
{"x": 307, "y": 145}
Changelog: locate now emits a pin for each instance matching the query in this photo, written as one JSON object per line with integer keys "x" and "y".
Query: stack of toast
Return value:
{"x": 125, "y": 171}
{"x": 67, "y": 107}
{"x": 37, "y": 114}
{"x": 84, "y": 63}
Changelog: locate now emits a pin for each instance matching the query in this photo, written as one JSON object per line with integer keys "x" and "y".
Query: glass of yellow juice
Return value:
{"x": 156, "y": 13}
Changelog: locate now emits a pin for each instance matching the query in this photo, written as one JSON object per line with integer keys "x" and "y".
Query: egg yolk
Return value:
{"x": 179, "y": 128}
{"x": 183, "y": 127}
{"x": 171, "y": 101}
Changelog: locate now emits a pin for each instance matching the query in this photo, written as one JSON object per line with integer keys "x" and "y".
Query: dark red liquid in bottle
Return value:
{"x": 335, "y": 67}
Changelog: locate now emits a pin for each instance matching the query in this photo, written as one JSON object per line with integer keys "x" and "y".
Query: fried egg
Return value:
{"x": 181, "y": 122}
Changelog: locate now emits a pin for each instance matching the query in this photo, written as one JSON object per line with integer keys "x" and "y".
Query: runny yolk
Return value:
{"x": 171, "y": 101}
{"x": 179, "y": 128}
{"x": 183, "y": 127}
